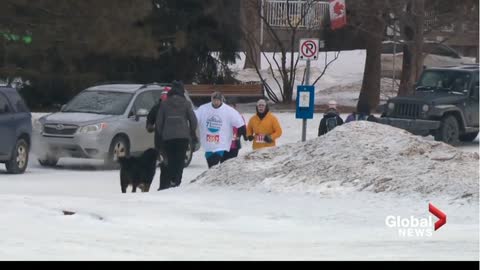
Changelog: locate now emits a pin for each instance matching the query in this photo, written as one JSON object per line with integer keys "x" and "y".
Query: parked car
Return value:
{"x": 102, "y": 122}
{"x": 445, "y": 105}
{"x": 437, "y": 55}
{"x": 15, "y": 131}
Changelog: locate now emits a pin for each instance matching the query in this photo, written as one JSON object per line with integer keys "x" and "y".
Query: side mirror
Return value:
{"x": 141, "y": 113}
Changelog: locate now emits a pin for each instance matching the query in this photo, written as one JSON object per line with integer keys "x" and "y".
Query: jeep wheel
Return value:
{"x": 48, "y": 161}
{"x": 469, "y": 137}
{"x": 19, "y": 161}
{"x": 118, "y": 148}
{"x": 449, "y": 131}
{"x": 188, "y": 155}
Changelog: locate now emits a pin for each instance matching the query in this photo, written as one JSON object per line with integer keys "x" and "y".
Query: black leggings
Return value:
{"x": 175, "y": 150}
{"x": 233, "y": 153}
{"x": 164, "y": 181}
{"x": 214, "y": 159}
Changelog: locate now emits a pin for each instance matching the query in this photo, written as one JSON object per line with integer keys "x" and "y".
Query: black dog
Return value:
{"x": 138, "y": 171}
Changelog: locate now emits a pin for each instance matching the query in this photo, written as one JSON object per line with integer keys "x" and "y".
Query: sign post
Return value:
{"x": 305, "y": 93}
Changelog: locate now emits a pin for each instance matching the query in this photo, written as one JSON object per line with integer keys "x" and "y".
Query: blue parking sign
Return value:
{"x": 305, "y": 101}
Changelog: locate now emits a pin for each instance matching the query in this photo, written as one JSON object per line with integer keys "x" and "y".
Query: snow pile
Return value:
{"x": 359, "y": 156}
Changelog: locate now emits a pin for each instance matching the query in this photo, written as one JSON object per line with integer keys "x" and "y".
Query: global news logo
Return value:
{"x": 414, "y": 227}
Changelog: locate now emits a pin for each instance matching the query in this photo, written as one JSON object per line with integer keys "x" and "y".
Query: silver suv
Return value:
{"x": 101, "y": 122}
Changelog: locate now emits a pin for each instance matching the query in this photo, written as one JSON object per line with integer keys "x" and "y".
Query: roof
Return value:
{"x": 124, "y": 88}
{"x": 8, "y": 90}
{"x": 472, "y": 67}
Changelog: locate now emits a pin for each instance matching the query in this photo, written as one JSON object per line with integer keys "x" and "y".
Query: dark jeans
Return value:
{"x": 175, "y": 150}
{"x": 164, "y": 181}
{"x": 214, "y": 159}
{"x": 233, "y": 153}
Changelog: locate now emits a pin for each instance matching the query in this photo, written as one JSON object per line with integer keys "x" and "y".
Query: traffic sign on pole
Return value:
{"x": 309, "y": 48}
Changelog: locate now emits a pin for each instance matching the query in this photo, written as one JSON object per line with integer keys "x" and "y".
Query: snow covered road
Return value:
{"x": 196, "y": 222}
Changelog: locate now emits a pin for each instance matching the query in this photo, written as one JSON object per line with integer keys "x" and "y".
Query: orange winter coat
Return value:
{"x": 259, "y": 128}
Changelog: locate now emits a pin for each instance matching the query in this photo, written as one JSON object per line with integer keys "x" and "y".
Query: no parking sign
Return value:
{"x": 309, "y": 49}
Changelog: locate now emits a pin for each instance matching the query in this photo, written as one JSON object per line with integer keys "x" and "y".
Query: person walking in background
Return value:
{"x": 150, "y": 126}
{"x": 362, "y": 114}
{"x": 237, "y": 134}
{"x": 216, "y": 121}
{"x": 330, "y": 120}
{"x": 176, "y": 124}
{"x": 263, "y": 128}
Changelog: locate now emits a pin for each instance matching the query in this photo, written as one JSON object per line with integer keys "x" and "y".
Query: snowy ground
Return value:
{"x": 205, "y": 222}
{"x": 211, "y": 220}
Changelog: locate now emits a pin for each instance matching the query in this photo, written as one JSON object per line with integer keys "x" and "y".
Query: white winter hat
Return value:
{"x": 217, "y": 95}
{"x": 332, "y": 104}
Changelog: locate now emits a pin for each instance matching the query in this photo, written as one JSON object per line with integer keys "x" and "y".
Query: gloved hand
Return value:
{"x": 150, "y": 128}
{"x": 250, "y": 138}
{"x": 268, "y": 139}
{"x": 194, "y": 140}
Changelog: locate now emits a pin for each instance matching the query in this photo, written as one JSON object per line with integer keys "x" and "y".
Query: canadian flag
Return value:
{"x": 338, "y": 16}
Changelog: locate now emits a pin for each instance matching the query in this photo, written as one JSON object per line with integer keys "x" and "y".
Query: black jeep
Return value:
{"x": 445, "y": 105}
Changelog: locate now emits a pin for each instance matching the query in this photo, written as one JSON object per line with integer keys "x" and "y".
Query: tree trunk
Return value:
{"x": 252, "y": 59}
{"x": 413, "y": 48}
{"x": 252, "y": 23}
{"x": 370, "y": 92}
{"x": 406, "y": 87}
{"x": 419, "y": 16}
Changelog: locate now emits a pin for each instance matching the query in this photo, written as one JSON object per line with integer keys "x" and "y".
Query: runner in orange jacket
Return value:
{"x": 263, "y": 128}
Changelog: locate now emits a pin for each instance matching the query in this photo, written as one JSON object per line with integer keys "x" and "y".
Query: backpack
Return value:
{"x": 331, "y": 123}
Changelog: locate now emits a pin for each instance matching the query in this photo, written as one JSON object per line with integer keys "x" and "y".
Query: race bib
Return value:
{"x": 213, "y": 139}
{"x": 260, "y": 138}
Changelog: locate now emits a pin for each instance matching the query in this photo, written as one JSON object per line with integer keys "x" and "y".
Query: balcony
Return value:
{"x": 308, "y": 15}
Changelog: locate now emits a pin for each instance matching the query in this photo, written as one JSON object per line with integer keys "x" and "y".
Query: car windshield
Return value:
{"x": 99, "y": 102}
{"x": 445, "y": 80}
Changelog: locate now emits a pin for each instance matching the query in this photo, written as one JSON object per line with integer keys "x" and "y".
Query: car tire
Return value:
{"x": 469, "y": 137}
{"x": 188, "y": 155}
{"x": 449, "y": 131}
{"x": 19, "y": 160}
{"x": 120, "y": 147}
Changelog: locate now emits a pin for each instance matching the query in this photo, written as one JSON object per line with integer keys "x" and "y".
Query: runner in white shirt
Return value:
{"x": 216, "y": 121}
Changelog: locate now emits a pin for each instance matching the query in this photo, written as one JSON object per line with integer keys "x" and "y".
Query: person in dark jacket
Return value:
{"x": 151, "y": 119}
{"x": 176, "y": 124}
{"x": 330, "y": 120}
{"x": 362, "y": 114}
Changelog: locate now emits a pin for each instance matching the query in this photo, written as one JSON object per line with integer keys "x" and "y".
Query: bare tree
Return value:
{"x": 283, "y": 66}
{"x": 423, "y": 19}
{"x": 411, "y": 17}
